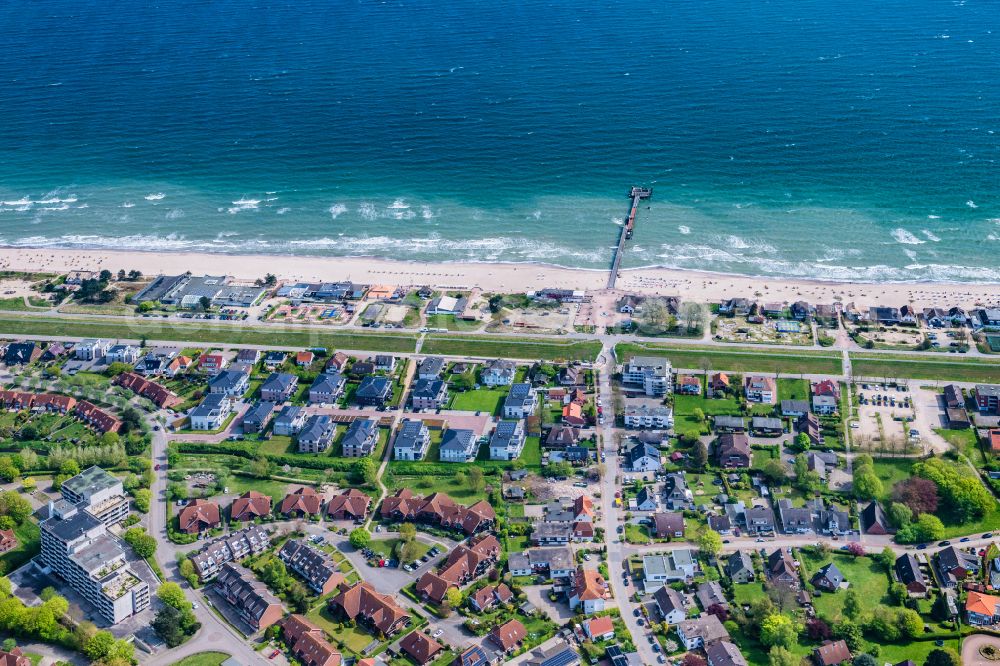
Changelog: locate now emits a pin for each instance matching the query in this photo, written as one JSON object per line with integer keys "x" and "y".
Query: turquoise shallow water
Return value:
{"x": 847, "y": 140}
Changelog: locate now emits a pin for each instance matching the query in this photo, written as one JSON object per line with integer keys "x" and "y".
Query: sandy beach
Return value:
{"x": 508, "y": 278}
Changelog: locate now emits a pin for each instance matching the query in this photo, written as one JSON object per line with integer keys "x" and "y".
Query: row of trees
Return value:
{"x": 175, "y": 622}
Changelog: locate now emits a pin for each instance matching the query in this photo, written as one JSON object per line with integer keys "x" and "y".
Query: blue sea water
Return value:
{"x": 842, "y": 140}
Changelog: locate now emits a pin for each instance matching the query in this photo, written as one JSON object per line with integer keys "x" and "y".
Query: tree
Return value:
{"x": 917, "y": 494}
{"x": 928, "y": 528}
{"x": 855, "y": 549}
{"x": 8, "y": 471}
{"x": 143, "y": 544}
{"x": 802, "y": 441}
{"x": 454, "y": 597}
{"x": 360, "y": 538}
{"x": 943, "y": 657}
{"x": 143, "y": 497}
{"x": 476, "y": 479}
{"x": 364, "y": 469}
{"x": 117, "y": 368}
{"x": 167, "y": 624}
{"x": 29, "y": 459}
{"x": 779, "y": 656}
{"x": 99, "y": 645}
{"x": 851, "y": 634}
{"x": 852, "y": 604}
{"x": 817, "y": 630}
{"x": 778, "y": 629}
{"x": 69, "y": 468}
{"x": 260, "y": 467}
{"x": 709, "y": 541}
{"x": 147, "y": 306}
{"x": 773, "y": 470}
{"x": 172, "y": 595}
{"x": 910, "y": 623}
{"x": 407, "y": 531}
{"x": 700, "y": 454}
{"x": 867, "y": 485}
{"x": 887, "y": 559}
{"x": 28, "y": 484}
{"x": 656, "y": 318}
{"x": 864, "y": 660}
{"x": 205, "y": 303}
{"x": 899, "y": 514}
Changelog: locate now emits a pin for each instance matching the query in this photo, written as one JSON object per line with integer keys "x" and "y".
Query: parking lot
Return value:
{"x": 879, "y": 403}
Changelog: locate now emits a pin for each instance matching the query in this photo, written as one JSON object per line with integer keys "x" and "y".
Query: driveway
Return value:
{"x": 970, "y": 649}
{"x": 557, "y": 611}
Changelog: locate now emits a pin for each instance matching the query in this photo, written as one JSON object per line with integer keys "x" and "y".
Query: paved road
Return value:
{"x": 617, "y": 551}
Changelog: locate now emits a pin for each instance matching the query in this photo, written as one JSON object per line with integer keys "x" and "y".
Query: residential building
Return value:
{"x": 572, "y": 415}
{"x": 313, "y": 566}
{"x": 982, "y": 609}
{"x": 458, "y": 445}
{"x": 327, "y": 388}
{"x": 599, "y": 628}
{"x": 641, "y": 457}
{"x": 709, "y": 593}
{"x": 908, "y": 572}
{"x": 95, "y": 417}
{"x": 486, "y": 598}
{"x": 447, "y": 305}
{"x": 230, "y": 548}
{"x": 91, "y": 349}
{"x": 554, "y": 561}
{"x": 99, "y": 493}
{"x": 212, "y": 413}
{"x": 420, "y": 647}
{"x": 794, "y": 520}
{"x": 279, "y": 386}
{"x": 701, "y": 631}
{"x": 588, "y": 591}
{"x": 21, "y": 353}
{"x": 304, "y": 501}
{"x": 464, "y": 564}
{"x": 507, "y": 441}
{"x": 688, "y": 385}
{"x": 725, "y": 653}
{"x": 761, "y": 389}
{"x": 648, "y": 416}
{"x": 874, "y": 520}
{"x": 212, "y": 364}
{"x": 561, "y": 436}
{"x": 351, "y": 504}
{"x": 155, "y": 393}
{"x": 831, "y": 653}
{"x": 15, "y": 657}
{"x": 828, "y": 578}
{"x": 987, "y": 398}
{"x": 781, "y": 568}
{"x": 732, "y": 450}
{"x": 825, "y": 404}
{"x": 739, "y": 568}
{"x": 794, "y": 408}
{"x": 360, "y": 439}
{"x": 668, "y": 525}
{"x": 274, "y": 359}
{"x": 508, "y": 636}
{"x": 670, "y": 603}
{"x": 412, "y": 441}
{"x": 651, "y": 373}
{"x": 759, "y": 520}
{"x": 678, "y": 564}
{"x": 430, "y": 368}
{"x": 429, "y": 394}
{"x": 289, "y": 420}
{"x": 250, "y": 505}
{"x": 645, "y": 500}
{"x": 76, "y": 546}
{"x": 8, "y": 542}
{"x": 374, "y": 391}
{"x": 729, "y": 424}
{"x": 233, "y": 383}
{"x": 955, "y": 565}
{"x": 307, "y": 642}
{"x": 257, "y": 417}
{"x": 337, "y": 363}
{"x": 253, "y": 602}
{"x": 378, "y": 612}
{"x": 304, "y": 359}
{"x": 122, "y": 354}
{"x": 438, "y": 509}
{"x": 499, "y": 372}
{"x": 766, "y": 426}
{"x": 198, "y": 516}
{"x": 521, "y": 402}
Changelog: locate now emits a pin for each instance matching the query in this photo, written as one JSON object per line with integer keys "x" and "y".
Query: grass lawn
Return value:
{"x": 203, "y": 659}
{"x": 478, "y": 400}
{"x": 13, "y": 304}
{"x": 452, "y": 323}
{"x": 918, "y": 367}
{"x": 964, "y": 441}
{"x": 684, "y": 406}
{"x": 864, "y": 575}
{"x": 388, "y": 546}
{"x": 748, "y": 593}
{"x": 425, "y": 485}
{"x": 637, "y": 534}
{"x": 891, "y": 472}
{"x": 511, "y": 347}
{"x": 354, "y": 639}
{"x": 915, "y": 650}
{"x": 28, "y": 545}
{"x": 531, "y": 456}
{"x": 793, "y": 389}
{"x": 739, "y": 359}
{"x": 207, "y": 332}
{"x": 516, "y": 544}
{"x": 987, "y": 523}
{"x": 276, "y": 489}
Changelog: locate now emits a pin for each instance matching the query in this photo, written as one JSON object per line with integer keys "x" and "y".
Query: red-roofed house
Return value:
{"x": 199, "y": 515}
{"x": 304, "y": 501}
{"x": 250, "y": 505}
{"x": 599, "y": 628}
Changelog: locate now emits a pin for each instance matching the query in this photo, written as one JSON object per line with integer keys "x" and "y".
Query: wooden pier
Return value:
{"x": 636, "y": 194}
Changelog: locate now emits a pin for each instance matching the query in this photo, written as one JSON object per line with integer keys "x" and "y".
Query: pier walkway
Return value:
{"x": 637, "y": 194}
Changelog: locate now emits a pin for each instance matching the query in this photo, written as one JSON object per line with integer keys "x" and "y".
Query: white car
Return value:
{"x": 437, "y": 633}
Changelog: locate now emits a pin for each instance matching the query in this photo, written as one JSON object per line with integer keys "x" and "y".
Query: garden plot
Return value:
{"x": 771, "y": 331}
